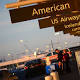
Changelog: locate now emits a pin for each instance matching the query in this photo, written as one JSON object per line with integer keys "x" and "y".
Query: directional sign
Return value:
{"x": 76, "y": 35}
{"x": 50, "y": 8}
{"x": 73, "y": 31}
{"x": 68, "y": 27}
{"x": 61, "y": 22}
{"x": 77, "y": 32}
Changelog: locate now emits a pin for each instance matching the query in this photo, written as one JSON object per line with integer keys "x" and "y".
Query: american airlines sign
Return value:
{"x": 50, "y": 8}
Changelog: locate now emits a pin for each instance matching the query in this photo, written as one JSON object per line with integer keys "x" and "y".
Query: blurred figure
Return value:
{"x": 5, "y": 75}
{"x": 59, "y": 59}
{"x": 60, "y": 64}
{"x": 56, "y": 51}
{"x": 65, "y": 61}
{"x": 1, "y": 75}
{"x": 69, "y": 52}
{"x": 60, "y": 56}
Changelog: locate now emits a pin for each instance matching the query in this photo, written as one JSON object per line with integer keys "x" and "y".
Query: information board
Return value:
{"x": 50, "y": 8}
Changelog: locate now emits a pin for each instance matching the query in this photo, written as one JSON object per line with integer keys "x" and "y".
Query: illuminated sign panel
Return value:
{"x": 50, "y": 8}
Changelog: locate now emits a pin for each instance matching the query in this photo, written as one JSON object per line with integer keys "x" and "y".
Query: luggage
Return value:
{"x": 50, "y": 68}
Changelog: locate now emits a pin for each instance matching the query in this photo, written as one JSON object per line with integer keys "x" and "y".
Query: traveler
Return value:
{"x": 65, "y": 61}
{"x": 60, "y": 64}
{"x": 56, "y": 51}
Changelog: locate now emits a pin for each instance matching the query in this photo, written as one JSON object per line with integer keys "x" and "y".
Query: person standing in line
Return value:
{"x": 56, "y": 51}
{"x": 65, "y": 61}
{"x": 69, "y": 52}
{"x": 59, "y": 59}
{"x": 60, "y": 64}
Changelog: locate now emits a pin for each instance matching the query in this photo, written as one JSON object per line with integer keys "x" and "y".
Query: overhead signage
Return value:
{"x": 61, "y": 22}
{"x": 71, "y": 26}
{"x": 75, "y": 34}
{"x": 73, "y": 30}
{"x": 50, "y": 8}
